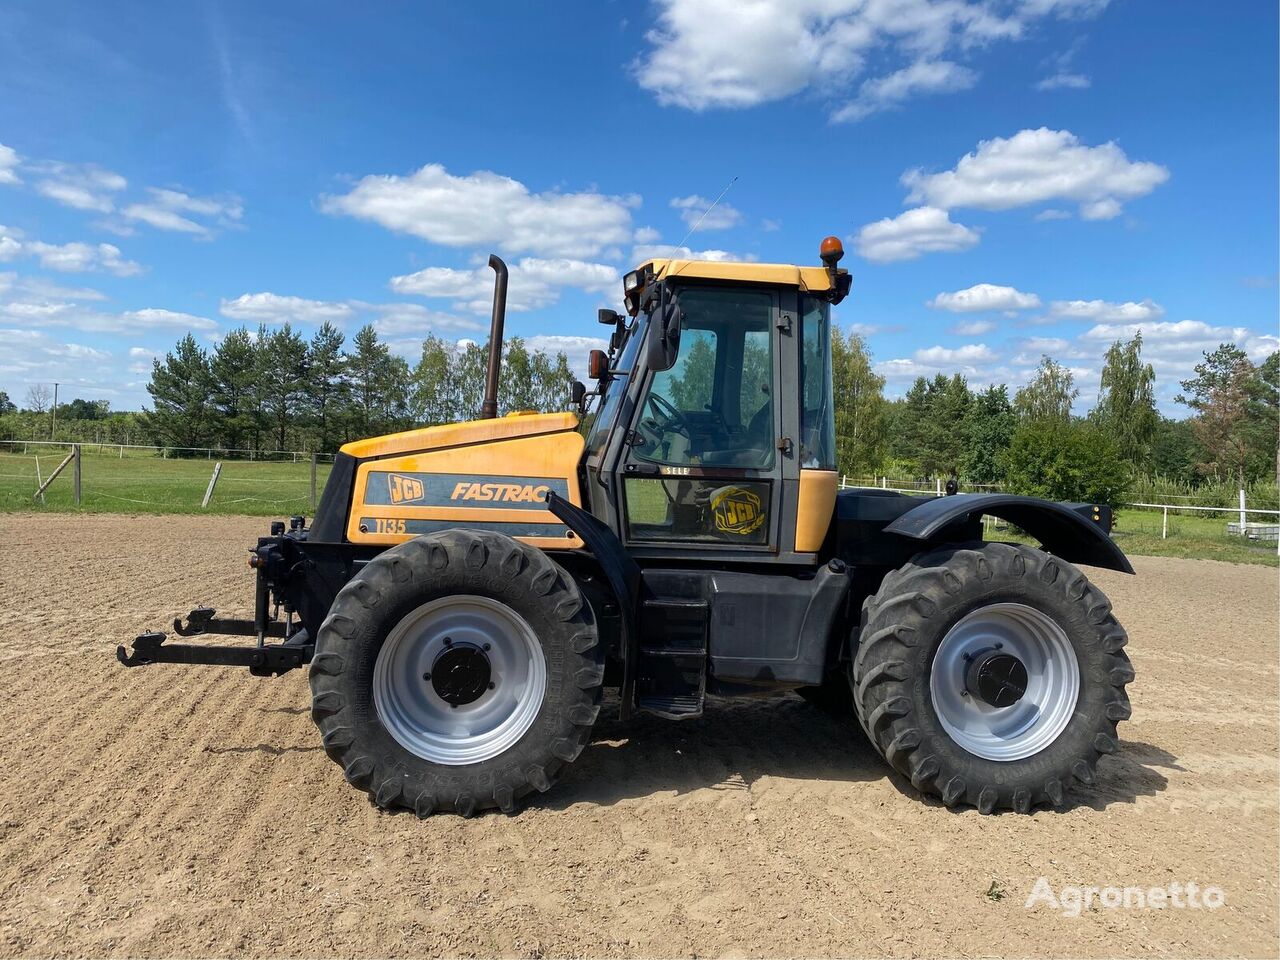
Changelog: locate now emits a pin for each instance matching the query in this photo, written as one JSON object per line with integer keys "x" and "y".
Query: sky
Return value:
{"x": 1010, "y": 178}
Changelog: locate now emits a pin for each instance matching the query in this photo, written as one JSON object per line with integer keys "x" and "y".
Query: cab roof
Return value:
{"x": 808, "y": 279}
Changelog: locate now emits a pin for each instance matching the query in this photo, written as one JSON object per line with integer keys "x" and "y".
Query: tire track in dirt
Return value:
{"x": 190, "y": 812}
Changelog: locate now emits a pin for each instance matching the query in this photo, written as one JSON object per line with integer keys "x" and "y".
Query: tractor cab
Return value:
{"x": 715, "y": 425}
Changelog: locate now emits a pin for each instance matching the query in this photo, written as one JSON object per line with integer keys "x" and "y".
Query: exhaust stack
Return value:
{"x": 489, "y": 407}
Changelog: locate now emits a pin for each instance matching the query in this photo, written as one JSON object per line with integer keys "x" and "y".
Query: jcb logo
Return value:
{"x": 737, "y": 511}
{"x": 403, "y": 489}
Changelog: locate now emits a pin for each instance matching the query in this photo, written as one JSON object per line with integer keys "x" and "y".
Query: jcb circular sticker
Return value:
{"x": 737, "y": 510}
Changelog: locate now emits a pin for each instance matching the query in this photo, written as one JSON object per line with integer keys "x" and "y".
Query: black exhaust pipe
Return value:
{"x": 489, "y": 408}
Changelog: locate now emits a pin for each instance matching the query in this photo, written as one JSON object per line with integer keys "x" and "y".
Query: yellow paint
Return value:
{"x": 813, "y": 512}
{"x": 525, "y": 448}
{"x": 808, "y": 279}
{"x": 463, "y": 434}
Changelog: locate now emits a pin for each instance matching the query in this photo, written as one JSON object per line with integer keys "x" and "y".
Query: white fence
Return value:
{"x": 1242, "y": 526}
{"x": 141, "y": 449}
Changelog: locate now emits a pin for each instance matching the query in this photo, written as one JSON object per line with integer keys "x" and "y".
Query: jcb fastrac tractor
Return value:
{"x": 465, "y": 592}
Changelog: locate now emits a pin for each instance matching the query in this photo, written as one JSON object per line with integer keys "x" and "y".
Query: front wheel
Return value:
{"x": 457, "y": 671}
{"x": 991, "y": 674}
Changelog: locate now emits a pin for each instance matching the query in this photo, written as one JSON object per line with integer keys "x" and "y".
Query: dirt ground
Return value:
{"x": 175, "y": 811}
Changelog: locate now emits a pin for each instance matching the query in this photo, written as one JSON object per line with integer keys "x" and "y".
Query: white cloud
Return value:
{"x": 908, "y": 235}
{"x": 647, "y": 235}
{"x": 273, "y": 308}
{"x": 691, "y": 208}
{"x": 643, "y": 252}
{"x": 1035, "y": 166}
{"x": 173, "y": 210}
{"x": 142, "y": 353}
{"x": 82, "y": 258}
{"x": 968, "y": 354}
{"x": 973, "y": 328}
{"x": 707, "y": 54}
{"x": 9, "y": 165}
{"x": 982, "y": 297}
{"x": 413, "y": 319}
{"x": 1105, "y": 311}
{"x": 1174, "y": 348}
{"x": 1064, "y": 81}
{"x": 534, "y": 283}
{"x": 575, "y": 349}
{"x": 892, "y": 90}
{"x": 81, "y": 186}
{"x": 155, "y": 318}
{"x": 1051, "y": 213}
{"x": 488, "y": 210}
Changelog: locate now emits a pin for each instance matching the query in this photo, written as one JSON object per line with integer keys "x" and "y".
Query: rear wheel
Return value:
{"x": 457, "y": 671}
{"x": 991, "y": 674}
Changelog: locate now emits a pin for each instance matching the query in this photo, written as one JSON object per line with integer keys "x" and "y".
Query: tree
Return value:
{"x": 180, "y": 389}
{"x": 1232, "y": 416}
{"x": 988, "y": 430}
{"x": 860, "y": 410}
{"x": 380, "y": 390}
{"x": 234, "y": 368}
{"x": 1064, "y": 460}
{"x": 1126, "y": 407}
{"x": 38, "y": 397}
{"x": 7, "y": 405}
{"x": 434, "y": 394}
{"x": 326, "y": 388}
{"x": 282, "y": 372}
{"x": 1048, "y": 395}
{"x": 1174, "y": 450}
{"x": 951, "y": 404}
{"x": 79, "y": 409}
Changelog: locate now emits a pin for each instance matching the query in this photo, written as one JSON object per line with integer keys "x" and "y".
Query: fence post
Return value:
{"x": 208, "y": 494}
{"x": 75, "y": 473}
{"x": 937, "y": 484}
{"x": 1244, "y": 531}
{"x": 1164, "y": 527}
{"x": 39, "y": 481}
{"x": 314, "y": 458}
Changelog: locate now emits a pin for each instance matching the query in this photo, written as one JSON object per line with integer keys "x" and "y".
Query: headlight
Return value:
{"x": 631, "y": 281}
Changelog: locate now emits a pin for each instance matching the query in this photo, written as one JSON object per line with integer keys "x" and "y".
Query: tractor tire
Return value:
{"x": 992, "y": 675}
{"x": 456, "y": 672}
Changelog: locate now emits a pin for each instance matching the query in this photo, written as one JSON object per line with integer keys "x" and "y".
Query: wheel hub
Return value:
{"x": 461, "y": 674}
{"x": 1000, "y": 679}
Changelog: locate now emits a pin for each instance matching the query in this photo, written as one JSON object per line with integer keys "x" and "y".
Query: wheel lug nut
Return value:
{"x": 426, "y": 676}
{"x": 448, "y": 641}
{"x": 486, "y": 646}
{"x": 492, "y": 685}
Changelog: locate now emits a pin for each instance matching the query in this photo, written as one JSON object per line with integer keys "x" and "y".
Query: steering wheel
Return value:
{"x": 663, "y": 408}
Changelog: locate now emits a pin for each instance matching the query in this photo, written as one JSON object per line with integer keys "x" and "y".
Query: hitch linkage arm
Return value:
{"x": 263, "y": 660}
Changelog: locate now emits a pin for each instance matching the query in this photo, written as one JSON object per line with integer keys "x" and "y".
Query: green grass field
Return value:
{"x": 151, "y": 484}
{"x": 145, "y": 483}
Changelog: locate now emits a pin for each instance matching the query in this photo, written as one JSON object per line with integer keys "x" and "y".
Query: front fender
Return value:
{"x": 1063, "y": 531}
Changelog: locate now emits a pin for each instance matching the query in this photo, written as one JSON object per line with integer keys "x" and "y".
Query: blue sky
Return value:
{"x": 1010, "y": 178}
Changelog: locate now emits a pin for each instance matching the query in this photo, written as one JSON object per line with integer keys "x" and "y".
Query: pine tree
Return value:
{"x": 434, "y": 394}
{"x": 282, "y": 371}
{"x": 234, "y": 370}
{"x": 327, "y": 390}
{"x": 180, "y": 389}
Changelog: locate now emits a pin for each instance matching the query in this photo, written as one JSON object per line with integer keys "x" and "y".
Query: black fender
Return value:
{"x": 623, "y": 575}
{"x": 1065, "y": 530}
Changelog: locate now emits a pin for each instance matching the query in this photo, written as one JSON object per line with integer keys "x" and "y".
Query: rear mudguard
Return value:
{"x": 1074, "y": 532}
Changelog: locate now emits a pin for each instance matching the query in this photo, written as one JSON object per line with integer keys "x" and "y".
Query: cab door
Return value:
{"x": 705, "y": 458}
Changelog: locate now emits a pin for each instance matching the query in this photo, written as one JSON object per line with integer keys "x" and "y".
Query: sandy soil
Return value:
{"x": 190, "y": 811}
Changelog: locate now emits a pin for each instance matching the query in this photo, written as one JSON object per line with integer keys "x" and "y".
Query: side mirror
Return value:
{"x": 609, "y": 316}
{"x": 663, "y": 344}
{"x": 597, "y": 364}
{"x": 577, "y": 393}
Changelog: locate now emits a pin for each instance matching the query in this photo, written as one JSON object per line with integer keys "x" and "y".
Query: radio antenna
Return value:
{"x": 694, "y": 228}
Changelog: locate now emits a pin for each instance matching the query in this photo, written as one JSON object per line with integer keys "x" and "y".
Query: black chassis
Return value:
{"x": 682, "y": 625}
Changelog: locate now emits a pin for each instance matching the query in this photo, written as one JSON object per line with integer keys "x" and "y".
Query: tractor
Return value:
{"x": 465, "y": 593}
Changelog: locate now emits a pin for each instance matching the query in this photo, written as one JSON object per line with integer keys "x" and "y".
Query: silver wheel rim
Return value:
{"x": 1052, "y": 689}
{"x": 422, "y": 721}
